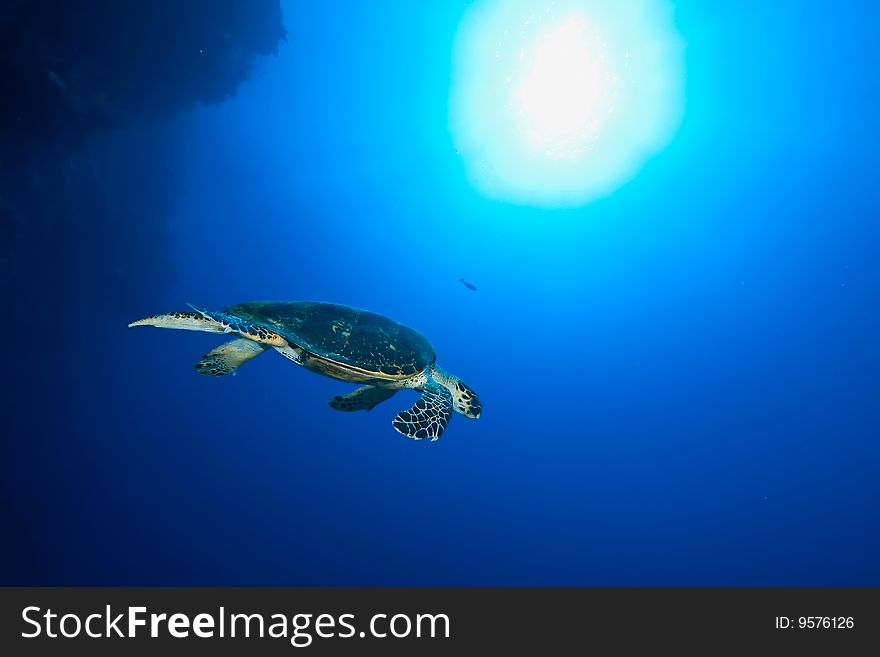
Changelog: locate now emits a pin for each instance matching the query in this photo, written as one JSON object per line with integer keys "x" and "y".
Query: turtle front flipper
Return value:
{"x": 229, "y": 356}
{"x": 364, "y": 398}
{"x": 429, "y": 415}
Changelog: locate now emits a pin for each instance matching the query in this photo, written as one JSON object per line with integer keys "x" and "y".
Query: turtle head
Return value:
{"x": 464, "y": 399}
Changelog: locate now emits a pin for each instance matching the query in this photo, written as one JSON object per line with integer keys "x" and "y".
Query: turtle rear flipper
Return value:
{"x": 182, "y": 320}
{"x": 229, "y": 356}
{"x": 245, "y": 328}
{"x": 429, "y": 415}
{"x": 364, "y": 398}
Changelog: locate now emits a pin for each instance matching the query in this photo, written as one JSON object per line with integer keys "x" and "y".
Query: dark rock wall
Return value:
{"x": 71, "y": 67}
{"x": 88, "y": 154}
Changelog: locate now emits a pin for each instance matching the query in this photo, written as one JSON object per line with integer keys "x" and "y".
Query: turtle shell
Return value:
{"x": 351, "y": 336}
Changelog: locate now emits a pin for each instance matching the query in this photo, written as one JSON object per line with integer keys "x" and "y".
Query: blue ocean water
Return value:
{"x": 679, "y": 380}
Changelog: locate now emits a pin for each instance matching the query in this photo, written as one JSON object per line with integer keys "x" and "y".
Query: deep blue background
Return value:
{"x": 680, "y": 381}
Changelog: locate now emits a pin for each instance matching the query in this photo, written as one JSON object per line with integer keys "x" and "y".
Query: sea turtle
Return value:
{"x": 343, "y": 343}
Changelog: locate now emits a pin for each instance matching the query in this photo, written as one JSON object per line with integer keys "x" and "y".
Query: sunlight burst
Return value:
{"x": 558, "y": 102}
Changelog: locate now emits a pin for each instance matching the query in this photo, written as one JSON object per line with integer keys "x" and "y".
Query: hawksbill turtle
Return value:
{"x": 342, "y": 342}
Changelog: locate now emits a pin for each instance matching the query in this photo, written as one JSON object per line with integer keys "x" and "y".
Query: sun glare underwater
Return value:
{"x": 559, "y": 102}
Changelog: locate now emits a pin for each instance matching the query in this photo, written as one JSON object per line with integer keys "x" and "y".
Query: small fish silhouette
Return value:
{"x": 469, "y": 286}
